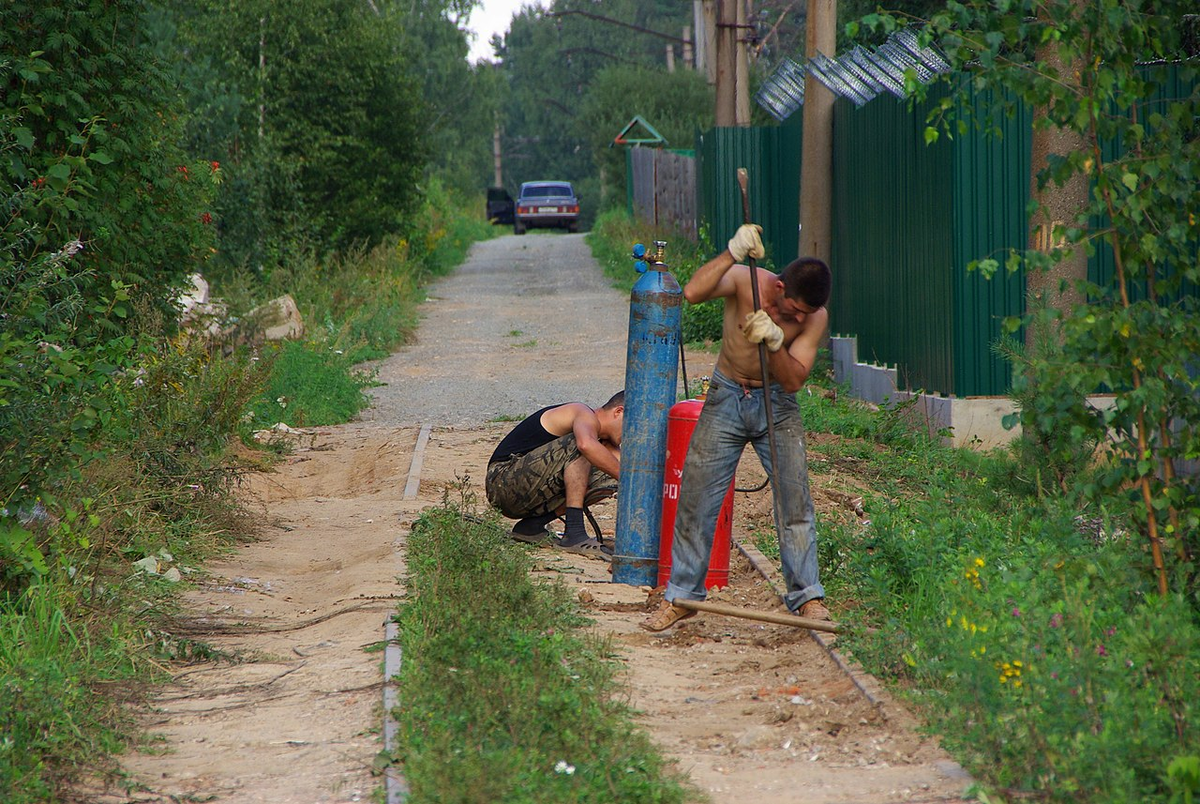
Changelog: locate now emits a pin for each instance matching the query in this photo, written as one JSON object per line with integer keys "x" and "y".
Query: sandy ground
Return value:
{"x": 291, "y": 709}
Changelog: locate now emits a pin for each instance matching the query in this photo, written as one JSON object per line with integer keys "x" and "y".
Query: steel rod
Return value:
{"x": 743, "y": 178}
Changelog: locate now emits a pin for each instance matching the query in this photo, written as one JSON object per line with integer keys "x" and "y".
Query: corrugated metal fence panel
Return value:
{"x": 892, "y": 255}
{"x": 785, "y": 204}
{"x": 991, "y": 190}
{"x": 772, "y": 160}
{"x": 726, "y": 150}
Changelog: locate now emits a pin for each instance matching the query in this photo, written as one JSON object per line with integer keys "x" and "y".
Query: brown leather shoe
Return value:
{"x": 667, "y": 615}
{"x": 814, "y": 610}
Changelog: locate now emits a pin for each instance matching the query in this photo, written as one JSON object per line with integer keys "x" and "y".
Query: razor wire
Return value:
{"x": 858, "y": 75}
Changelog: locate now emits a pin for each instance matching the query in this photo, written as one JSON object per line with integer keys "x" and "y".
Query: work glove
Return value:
{"x": 759, "y": 328}
{"x": 746, "y": 243}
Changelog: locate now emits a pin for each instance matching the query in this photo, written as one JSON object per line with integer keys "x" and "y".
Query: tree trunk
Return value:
{"x": 1058, "y": 205}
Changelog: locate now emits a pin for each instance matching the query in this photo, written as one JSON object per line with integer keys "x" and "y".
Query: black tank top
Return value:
{"x": 526, "y": 436}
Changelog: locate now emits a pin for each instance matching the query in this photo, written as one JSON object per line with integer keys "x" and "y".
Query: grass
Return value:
{"x": 1025, "y": 631}
{"x": 310, "y": 387}
{"x": 49, "y": 674}
{"x": 512, "y": 700}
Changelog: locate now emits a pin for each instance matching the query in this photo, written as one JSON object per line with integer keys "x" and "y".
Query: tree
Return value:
{"x": 321, "y": 116}
{"x": 681, "y": 104}
{"x": 550, "y": 63}
{"x": 1133, "y": 105}
{"x": 463, "y": 99}
{"x": 103, "y": 217}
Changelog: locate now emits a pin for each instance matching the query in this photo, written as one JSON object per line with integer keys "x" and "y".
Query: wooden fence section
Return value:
{"x": 663, "y": 188}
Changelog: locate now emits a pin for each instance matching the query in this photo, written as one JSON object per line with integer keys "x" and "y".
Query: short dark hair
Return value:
{"x": 807, "y": 279}
{"x": 617, "y": 400}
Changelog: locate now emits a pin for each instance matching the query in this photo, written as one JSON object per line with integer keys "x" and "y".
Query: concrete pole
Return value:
{"x": 689, "y": 62}
{"x": 816, "y": 170}
{"x": 670, "y": 57}
{"x": 1058, "y": 204}
{"x": 726, "y": 111}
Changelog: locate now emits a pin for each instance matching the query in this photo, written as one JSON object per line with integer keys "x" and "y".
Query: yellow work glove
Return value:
{"x": 746, "y": 243}
{"x": 759, "y": 328}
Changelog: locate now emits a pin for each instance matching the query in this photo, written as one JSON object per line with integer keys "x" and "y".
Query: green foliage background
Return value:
{"x": 277, "y": 147}
{"x": 328, "y": 148}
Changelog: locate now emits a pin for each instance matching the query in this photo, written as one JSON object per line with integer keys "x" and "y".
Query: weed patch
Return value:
{"x": 309, "y": 387}
{"x": 1021, "y": 626}
{"x": 505, "y": 699}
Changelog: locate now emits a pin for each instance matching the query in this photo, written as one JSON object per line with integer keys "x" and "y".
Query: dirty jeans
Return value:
{"x": 732, "y": 417}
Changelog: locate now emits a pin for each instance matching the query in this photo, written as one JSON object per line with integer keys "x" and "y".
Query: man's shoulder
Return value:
{"x": 572, "y": 408}
{"x": 564, "y": 415}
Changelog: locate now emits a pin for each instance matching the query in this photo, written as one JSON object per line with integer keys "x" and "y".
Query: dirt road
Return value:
{"x": 290, "y": 709}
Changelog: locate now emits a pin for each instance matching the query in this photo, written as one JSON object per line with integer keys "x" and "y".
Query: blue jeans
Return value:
{"x": 732, "y": 417}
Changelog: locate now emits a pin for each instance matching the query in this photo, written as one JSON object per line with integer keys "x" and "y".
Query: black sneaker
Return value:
{"x": 532, "y": 529}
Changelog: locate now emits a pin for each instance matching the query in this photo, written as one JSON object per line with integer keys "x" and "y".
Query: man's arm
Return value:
{"x": 587, "y": 437}
{"x": 578, "y": 418}
{"x": 712, "y": 281}
{"x": 790, "y": 367}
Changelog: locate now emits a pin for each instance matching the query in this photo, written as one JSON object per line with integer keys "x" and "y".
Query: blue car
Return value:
{"x": 546, "y": 205}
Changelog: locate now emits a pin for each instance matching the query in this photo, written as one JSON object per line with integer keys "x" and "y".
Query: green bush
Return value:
{"x": 1021, "y": 626}
{"x": 91, "y": 128}
{"x": 105, "y": 218}
{"x": 1086, "y": 686}
{"x": 612, "y": 239}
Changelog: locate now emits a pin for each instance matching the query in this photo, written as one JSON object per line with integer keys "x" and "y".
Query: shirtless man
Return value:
{"x": 552, "y": 464}
{"x": 791, "y": 323}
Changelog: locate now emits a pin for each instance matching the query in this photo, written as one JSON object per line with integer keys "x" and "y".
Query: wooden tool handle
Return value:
{"x": 761, "y": 616}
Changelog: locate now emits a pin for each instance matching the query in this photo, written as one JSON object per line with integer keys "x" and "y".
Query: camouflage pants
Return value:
{"x": 532, "y": 484}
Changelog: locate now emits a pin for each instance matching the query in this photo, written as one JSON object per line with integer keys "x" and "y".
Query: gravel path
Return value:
{"x": 560, "y": 336}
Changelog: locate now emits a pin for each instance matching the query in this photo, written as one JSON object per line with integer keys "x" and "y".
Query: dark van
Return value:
{"x": 499, "y": 206}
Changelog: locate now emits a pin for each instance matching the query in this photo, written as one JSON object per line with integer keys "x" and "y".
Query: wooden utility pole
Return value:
{"x": 497, "y": 178}
{"x": 727, "y": 31}
{"x": 742, "y": 83}
{"x": 816, "y": 150}
{"x": 705, "y": 14}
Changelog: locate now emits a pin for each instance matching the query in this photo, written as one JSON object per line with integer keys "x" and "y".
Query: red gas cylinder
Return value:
{"x": 681, "y": 421}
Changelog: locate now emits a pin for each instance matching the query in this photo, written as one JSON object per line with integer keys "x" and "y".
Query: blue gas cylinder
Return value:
{"x": 650, "y": 387}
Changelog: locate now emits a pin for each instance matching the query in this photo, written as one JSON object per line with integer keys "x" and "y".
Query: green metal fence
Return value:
{"x": 907, "y": 220}
{"x": 771, "y": 156}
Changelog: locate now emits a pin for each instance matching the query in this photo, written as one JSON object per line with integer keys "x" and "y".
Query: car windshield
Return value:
{"x": 548, "y": 191}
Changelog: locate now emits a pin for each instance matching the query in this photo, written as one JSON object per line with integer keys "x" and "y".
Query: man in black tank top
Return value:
{"x": 552, "y": 464}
